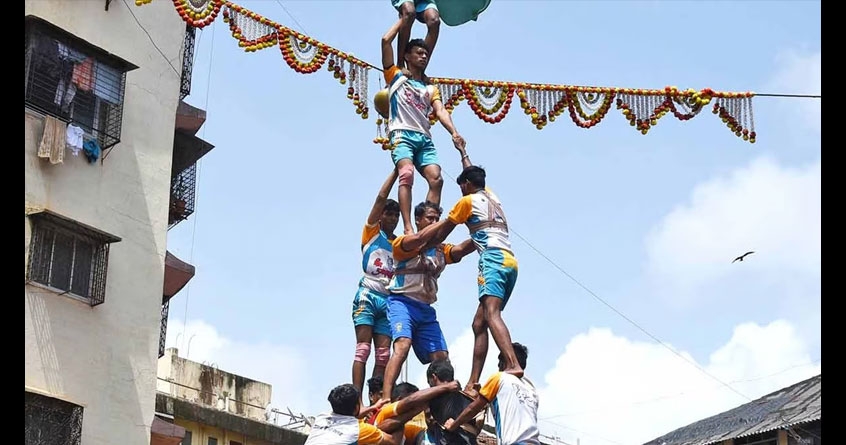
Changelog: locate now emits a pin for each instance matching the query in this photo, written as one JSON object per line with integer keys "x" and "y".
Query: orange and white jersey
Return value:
{"x": 336, "y": 429}
{"x": 416, "y": 272}
{"x": 377, "y": 261}
{"x": 483, "y": 215}
{"x": 410, "y": 102}
{"x": 514, "y": 402}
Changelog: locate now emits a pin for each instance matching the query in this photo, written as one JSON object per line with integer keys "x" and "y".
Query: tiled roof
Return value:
{"x": 796, "y": 404}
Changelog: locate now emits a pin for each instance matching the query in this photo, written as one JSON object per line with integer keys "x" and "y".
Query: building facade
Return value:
{"x": 216, "y": 407}
{"x": 102, "y": 89}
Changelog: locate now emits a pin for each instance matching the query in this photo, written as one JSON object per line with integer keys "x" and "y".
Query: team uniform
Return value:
{"x": 483, "y": 215}
{"x": 414, "y": 288}
{"x": 410, "y": 104}
{"x": 412, "y": 428}
{"x": 514, "y": 402}
{"x": 336, "y": 429}
{"x": 370, "y": 306}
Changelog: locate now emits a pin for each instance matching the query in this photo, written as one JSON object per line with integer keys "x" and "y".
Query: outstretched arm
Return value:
{"x": 387, "y": 45}
{"x": 422, "y": 238}
{"x": 460, "y": 251}
{"x": 469, "y": 413}
{"x": 381, "y": 199}
{"x": 446, "y": 120}
{"x": 410, "y": 406}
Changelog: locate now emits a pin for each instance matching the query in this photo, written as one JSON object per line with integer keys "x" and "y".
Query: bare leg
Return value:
{"x": 404, "y": 194}
{"x": 433, "y": 26}
{"x": 407, "y": 14}
{"x": 480, "y": 349}
{"x": 432, "y": 173}
{"x": 363, "y": 334}
{"x": 380, "y": 341}
{"x": 501, "y": 336}
{"x": 401, "y": 347}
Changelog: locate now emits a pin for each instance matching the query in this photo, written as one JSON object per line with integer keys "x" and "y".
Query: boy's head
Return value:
{"x": 374, "y": 389}
{"x": 416, "y": 54}
{"x": 345, "y": 400}
{"x": 520, "y": 351}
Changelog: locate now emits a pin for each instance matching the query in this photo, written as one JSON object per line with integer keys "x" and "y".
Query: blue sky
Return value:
{"x": 647, "y": 223}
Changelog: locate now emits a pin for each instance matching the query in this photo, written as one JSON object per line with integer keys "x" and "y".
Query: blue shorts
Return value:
{"x": 415, "y": 320}
{"x": 419, "y": 6}
{"x": 497, "y": 274}
{"x": 370, "y": 308}
{"x": 415, "y": 146}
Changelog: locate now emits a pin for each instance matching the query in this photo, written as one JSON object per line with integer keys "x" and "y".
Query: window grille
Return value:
{"x": 68, "y": 256}
{"x": 74, "y": 81}
{"x": 50, "y": 421}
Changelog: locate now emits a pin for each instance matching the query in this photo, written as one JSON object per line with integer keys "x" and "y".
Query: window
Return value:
{"x": 232, "y": 442}
{"x": 186, "y": 440}
{"x": 51, "y": 421}
{"x": 212, "y": 441}
{"x": 68, "y": 256}
{"x": 74, "y": 81}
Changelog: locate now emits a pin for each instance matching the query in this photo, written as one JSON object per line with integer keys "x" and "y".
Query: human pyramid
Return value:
{"x": 400, "y": 282}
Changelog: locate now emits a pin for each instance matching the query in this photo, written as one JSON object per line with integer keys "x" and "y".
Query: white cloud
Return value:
{"x": 764, "y": 207}
{"x": 609, "y": 389}
{"x": 281, "y": 366}
{"x": 798, "y": 73}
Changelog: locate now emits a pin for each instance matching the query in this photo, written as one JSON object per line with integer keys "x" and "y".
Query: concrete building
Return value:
{"x": 216, "y": 407}
{"x": 107, "y": 172}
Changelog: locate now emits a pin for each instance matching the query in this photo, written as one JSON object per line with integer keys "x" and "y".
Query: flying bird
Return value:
{"x": 741, "y": 257}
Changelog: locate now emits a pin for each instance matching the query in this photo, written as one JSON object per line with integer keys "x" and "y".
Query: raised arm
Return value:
{"x": 446, "y": 120}
{"x": 387, "y": 45}
{"x": 465, "y": 158}
{"x": 381, "y": 199}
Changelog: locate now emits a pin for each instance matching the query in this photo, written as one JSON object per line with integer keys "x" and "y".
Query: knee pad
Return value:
{"x": 362, "y": 352}
{"x": 382, "y": 356}
{"x": 406, "y": 175}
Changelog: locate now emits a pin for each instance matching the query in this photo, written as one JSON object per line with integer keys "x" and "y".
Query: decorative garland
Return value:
{"x": 489, "y": 100}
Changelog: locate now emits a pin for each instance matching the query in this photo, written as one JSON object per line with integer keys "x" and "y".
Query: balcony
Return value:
{"x": 177, "y": 274}
{"x": 187, "y": 150}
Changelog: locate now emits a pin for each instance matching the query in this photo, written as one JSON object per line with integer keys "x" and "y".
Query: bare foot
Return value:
{"x": 516, "y": 372}
{"x": 472, "y": 390}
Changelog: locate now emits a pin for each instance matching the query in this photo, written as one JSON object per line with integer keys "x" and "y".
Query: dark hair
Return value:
{"x": 420, "y": 209}
{"x": 344, "y": 399}
{"x": 391, "y": 206}
{"x": 403, "y": 390}
{"x": 442, "y": 369}
{"x": 521, "y": 351}
{"x": 416, "y": 42}
{"x": 374, "y": 384}
{"x": 474, "y": 174}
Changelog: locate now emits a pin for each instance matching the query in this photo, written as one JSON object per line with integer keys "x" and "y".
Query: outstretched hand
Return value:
{"x": 458, "y": 141}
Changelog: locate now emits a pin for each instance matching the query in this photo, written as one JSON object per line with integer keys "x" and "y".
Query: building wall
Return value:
{"x": 205, "y": 384}
{"x": 200, "y": 435}
{"x": 104, "y": 357}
